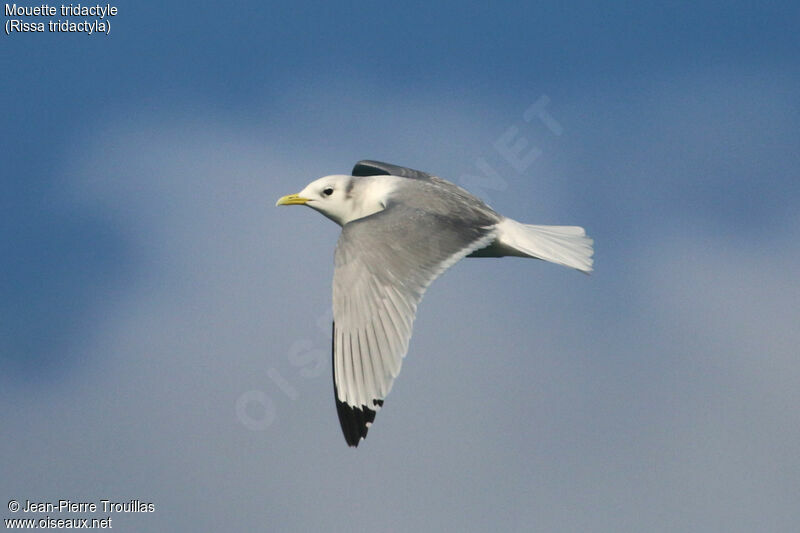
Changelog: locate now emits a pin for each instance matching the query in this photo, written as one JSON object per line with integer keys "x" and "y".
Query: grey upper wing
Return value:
{"x": 378, "y": 168}
{"x": 384, "y": 263}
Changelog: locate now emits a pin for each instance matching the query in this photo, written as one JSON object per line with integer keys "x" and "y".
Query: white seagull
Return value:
{"x": 401, "y": 228}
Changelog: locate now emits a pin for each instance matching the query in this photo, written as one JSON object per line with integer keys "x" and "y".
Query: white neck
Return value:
{"x": 367, "y": 197}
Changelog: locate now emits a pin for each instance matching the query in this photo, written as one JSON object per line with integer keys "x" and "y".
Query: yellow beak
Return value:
{"x": 291, "y": 199}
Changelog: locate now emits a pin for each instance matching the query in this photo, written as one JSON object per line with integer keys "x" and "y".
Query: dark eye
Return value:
{"x": 328, "y": 191}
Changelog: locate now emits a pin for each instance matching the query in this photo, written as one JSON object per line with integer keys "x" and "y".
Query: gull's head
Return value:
{"x": 332, "y": 196}
{"x": 342, "y": 198}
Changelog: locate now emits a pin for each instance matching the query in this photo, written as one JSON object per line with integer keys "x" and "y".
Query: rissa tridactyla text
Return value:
{"x": 401, "y": 228}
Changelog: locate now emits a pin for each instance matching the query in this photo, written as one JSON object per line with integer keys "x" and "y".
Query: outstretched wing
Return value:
{"x": 384, "y": 263}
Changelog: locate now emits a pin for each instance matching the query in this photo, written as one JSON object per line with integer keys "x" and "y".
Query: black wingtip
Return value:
{"x": 354, "y": 421}
{"x": 368, "y": 167}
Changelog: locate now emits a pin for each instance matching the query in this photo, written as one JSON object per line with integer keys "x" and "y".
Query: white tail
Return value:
{"x": 563, "y": 245}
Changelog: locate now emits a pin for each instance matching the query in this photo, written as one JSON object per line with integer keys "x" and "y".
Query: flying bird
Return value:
{"x": 401, "y": 228}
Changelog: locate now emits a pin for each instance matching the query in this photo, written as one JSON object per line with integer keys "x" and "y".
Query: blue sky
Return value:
{"x": 157, "y": 309}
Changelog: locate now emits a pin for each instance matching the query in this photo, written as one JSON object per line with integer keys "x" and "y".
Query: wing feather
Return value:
{"x": 384, "y": 264}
